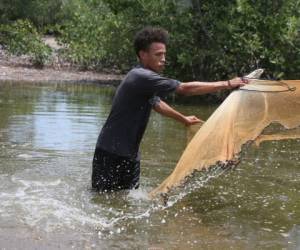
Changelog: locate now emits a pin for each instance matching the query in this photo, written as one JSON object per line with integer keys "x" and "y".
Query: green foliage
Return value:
{"x": 100, "y": 34}
{"x": 21, "y": 38}
{"x": 41, "y": 13}
{"x": 209, "y": 40}
{"x": 94, "y": 38}
{"x": 269, "y": 34}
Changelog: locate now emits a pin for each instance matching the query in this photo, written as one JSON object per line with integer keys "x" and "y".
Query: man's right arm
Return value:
{"x": 200, "y": 88}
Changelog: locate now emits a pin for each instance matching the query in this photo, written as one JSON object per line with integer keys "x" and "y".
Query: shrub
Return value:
{"x": 22, "y": 38}
{"x": 209, "y": 39}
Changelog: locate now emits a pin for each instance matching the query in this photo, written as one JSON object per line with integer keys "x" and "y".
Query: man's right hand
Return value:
{"x": 237, "y": 82}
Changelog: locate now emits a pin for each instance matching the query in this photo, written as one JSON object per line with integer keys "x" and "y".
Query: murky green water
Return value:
{"x": 47, "y": 139}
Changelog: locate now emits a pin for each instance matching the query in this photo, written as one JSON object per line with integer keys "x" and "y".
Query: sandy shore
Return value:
{"x": 19, "y": 69}
{"x": 49, "y": 75}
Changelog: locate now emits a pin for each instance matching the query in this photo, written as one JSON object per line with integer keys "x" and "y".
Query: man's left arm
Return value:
{"x": 164, "y": 109}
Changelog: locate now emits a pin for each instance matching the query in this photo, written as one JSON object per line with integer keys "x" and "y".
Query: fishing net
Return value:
{"x": 241, "y": 118}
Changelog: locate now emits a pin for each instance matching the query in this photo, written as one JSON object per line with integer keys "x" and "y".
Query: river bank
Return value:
{"x": 20, "y": 69}
{"x": 15, "y": 73}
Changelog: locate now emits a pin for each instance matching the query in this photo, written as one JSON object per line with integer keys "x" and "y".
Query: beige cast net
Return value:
{"x": 241, "y": 118}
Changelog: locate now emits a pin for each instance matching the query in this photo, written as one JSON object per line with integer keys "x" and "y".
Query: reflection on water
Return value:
{"x": 47, "y": 138}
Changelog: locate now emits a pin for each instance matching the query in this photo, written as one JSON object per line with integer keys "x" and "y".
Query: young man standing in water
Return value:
{"x": 116, "y": 163}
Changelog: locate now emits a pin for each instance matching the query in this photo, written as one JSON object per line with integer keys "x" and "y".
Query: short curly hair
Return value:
{"x": 148, "y": 35}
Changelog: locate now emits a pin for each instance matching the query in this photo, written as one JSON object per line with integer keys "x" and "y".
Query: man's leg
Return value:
{"x": 101, "y": 179}
{"x": 129, "y": 173}
{"x": 112, "y": 172}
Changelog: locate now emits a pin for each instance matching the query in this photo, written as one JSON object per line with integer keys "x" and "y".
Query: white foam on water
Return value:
{"x": 41, "y": 204}
{"x": 59, "y": 214}
{"x": 43, "y": 183}
{"x": 25, "y": 156}
{"x": 139, "y": 194}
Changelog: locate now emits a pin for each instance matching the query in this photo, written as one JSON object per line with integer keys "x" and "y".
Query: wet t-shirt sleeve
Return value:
{"x": 154, "y": 100}
{"x": 153, "y": 84}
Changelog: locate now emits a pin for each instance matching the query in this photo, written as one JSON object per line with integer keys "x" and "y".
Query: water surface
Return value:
{"x": 47, "y": 139}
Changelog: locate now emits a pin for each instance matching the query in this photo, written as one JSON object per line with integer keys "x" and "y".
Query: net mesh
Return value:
{"x": 241, "y": 118}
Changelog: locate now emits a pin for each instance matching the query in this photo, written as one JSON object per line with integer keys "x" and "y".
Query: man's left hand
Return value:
{"x": 190, "y": 120}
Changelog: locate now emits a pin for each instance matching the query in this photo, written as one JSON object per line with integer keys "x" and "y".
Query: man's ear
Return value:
{"x": 142, "y": 55}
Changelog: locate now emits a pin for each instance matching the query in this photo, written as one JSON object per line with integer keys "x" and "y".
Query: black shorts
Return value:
{"x": 112, "y": 172}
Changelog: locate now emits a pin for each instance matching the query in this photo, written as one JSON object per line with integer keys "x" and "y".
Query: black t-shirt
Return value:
{"x": 136, "y": 95}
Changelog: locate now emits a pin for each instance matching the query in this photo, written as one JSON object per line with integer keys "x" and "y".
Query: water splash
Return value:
{"x": 193, "y": 184}
{"x": 148, "y": 207}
